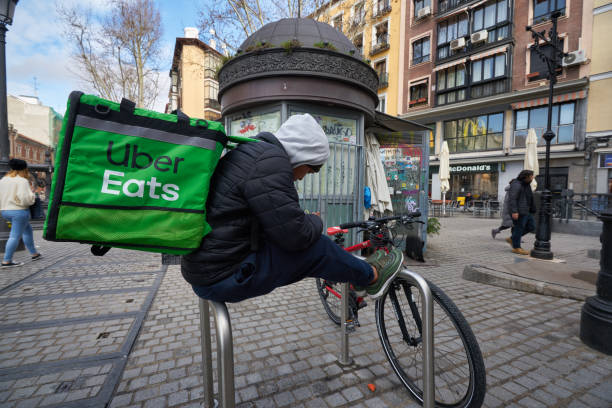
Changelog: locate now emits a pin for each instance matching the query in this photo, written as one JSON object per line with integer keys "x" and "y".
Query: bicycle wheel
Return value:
{"x": 459, "y": 371}
{"x": 331, "y": 296}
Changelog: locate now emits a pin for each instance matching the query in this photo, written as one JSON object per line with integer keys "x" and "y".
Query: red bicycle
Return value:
{"x": 458, "y": 364}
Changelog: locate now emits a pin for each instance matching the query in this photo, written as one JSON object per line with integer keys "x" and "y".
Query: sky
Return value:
{"x": 35, "y": 48}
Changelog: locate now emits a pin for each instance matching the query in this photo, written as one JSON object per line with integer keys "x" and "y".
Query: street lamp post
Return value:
{"x": 541, "y": 248}
{"x": 7, "y": 10}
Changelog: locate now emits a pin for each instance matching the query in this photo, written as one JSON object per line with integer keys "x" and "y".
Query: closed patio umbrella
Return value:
{"x": 375, "y": 176}
{"x": 444, "y": 174}
{"x": 531, "y": 156}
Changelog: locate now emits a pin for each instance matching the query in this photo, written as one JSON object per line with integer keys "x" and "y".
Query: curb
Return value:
{"x": 483, "y": 274}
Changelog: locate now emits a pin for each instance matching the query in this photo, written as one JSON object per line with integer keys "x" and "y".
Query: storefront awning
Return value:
{"x": 488, "y": 53}
{"x": 391, "y": 130}
{"x": 556, "y": 99}
{"x": 449, "y": 64}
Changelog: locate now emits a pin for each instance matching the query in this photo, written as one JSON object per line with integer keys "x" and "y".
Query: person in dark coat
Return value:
{"x": 522, "y": 206}
{"x": 505, "y": 214}
{"x": 261, "y": 239}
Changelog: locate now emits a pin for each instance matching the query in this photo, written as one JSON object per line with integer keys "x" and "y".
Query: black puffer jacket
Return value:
{"x": 521, "y": 198}
{"x": 252, "y": 182}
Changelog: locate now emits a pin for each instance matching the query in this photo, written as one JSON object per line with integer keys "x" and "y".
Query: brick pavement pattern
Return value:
{"x": 285, "y": 347}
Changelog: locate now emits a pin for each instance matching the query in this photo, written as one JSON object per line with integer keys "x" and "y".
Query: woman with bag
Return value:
{"x": 16, "y": 197}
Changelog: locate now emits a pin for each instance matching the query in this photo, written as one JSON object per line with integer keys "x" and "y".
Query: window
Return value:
{"x": 537, "y": 118}
{"x": 432, "y": 137}
{"x": 448, "y": 31}
{"x": 358, "y": 42}
{"x": 382, "y": 103}
{"x": 542, "y": 9}
{"x": 381, "y": 69}
{"x": 538, "y": 69}
{"x": 451, "y": 85}
{"x": 358, "y": 14}
{"x": 489, "y": 76}
{"x": 418, "y": 94}
{"x": 492, "y": 17}
{"x": 381, "y": 7}
{"x": 446, "y": 5}
{"x": 473, "y": 134}
{"x": 337, "y": 22}
{"x": 419, "y": 5}
{"x": 420, "y": 51}
{"x": 381, "y": 35}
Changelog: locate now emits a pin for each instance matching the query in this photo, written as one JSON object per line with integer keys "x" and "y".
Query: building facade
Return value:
{"x": 28, "y": 149}
{"x": 599, "y": 119}
{"x": 193, "y": 85}
{"x": 36, "y": 121}
{"x": 483, "y": 87}
{"x": 374, "y": 28}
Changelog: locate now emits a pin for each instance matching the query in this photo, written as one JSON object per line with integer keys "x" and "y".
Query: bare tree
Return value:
{"x": 232, "y": 21}
{"x": 117, "y": 54}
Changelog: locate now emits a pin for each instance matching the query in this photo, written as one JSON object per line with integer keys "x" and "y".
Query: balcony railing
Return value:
{"x": 448, "y": 5}
{"x": 382, "y": 8}
{"x": 212, "y": 104}
{"x": 383, "y": 80}
{"x": 381, "y": 45}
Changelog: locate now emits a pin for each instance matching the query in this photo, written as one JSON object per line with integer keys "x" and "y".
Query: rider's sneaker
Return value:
{"x": 361, "y": 290}
{"x": 388, "y": 266}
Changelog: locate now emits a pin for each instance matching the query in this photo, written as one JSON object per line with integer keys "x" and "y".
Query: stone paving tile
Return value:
{"x": 96, "y": 305}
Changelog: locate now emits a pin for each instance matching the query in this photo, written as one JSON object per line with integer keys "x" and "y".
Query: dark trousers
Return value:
{"x": 524, "y": 225}
{"x": 271, "y": 267}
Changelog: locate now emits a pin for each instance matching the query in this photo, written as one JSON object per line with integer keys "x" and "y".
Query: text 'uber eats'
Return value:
{"x": 114, "y": 181}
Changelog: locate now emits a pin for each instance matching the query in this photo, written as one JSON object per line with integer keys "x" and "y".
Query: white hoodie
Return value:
{"x": 304, "y": 140}
{"x": 15, "y": 193}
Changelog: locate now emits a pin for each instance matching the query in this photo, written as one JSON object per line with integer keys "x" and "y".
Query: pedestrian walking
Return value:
{"x": 261, "y": 239}
{"x": 16, "y": 197}
{"x": 505, "y": 214}
{"x": 522, "y": 206}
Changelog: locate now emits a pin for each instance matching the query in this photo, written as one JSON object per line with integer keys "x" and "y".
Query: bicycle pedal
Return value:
{"x": 350, "y": 326}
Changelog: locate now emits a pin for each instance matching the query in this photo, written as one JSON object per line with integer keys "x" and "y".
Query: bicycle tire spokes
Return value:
{"x": 416, "y": 315}
{"x": 399, "y": 315}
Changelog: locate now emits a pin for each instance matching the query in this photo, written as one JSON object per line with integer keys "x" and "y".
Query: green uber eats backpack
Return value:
{"x": 132, "y": 178}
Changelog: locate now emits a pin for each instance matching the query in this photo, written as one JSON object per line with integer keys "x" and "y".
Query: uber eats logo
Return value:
{"x": 114, "y": 182}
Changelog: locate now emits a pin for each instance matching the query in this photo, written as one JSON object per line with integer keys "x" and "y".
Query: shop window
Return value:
{"x": 432, "y": 137}
{"x": 449, "y": 30}
{"x": 475, "y": 134}
{"x": 537, "y": 118}
{"x": 419, "y": 5}
{"x": 419, "y": 94}
{"x": 420, "y": 51}
{"x": 451, "y": 85}
{"x": 538, "y": 69}
{"x": 542, "y": 9}
{"x": 492, "y": 17}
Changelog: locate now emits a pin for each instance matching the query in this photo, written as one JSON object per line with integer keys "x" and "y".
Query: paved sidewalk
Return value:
{"x": 76, "y": 330}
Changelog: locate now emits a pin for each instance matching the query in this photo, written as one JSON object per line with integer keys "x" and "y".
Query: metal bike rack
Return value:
{"x": 225, "y": 355}
{"x": 428, "y": 350}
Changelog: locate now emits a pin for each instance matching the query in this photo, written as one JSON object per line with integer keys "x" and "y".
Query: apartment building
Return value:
{"x": 468, "y": 71}
{"x": 599, "y": 120}
{"x": 374, "y": 27}
{"x": 193, "y": 86}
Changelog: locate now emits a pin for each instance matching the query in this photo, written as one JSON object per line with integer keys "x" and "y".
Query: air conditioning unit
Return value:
{"x": 574, "y": 58}
{"x": 457, "y": 43}
{"x": 479, "y": 36}
{"x": 424, "y": 12}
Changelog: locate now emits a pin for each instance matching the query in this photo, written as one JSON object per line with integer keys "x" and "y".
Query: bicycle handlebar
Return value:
{"x": 407, "y": 218}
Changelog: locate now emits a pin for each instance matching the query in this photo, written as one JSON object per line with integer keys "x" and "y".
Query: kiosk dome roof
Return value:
{"x": 307, "y": 31}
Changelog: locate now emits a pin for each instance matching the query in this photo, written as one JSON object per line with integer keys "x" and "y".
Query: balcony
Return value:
{"x": 380, "y": 45}
{"x": 445, "y": 6}
{"x": 212, "y": 104}
{"x": 383, "y": 80}
{"x": 382, "y": 8}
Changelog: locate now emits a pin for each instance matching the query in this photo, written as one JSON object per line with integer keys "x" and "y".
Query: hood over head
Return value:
{"x": 304, "y": 140}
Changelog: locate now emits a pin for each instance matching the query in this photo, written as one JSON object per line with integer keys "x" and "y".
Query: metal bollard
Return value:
{"x": 345, "y": 359}
{"x": 596, "y": 316}
{"x": 225, "y": 355}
